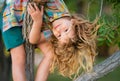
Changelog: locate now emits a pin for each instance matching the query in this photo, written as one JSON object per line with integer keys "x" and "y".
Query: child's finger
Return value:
{"x": 31, "y": 7}
{"x": 28, "y": 9}
{"x": 42, "y": 9}
{"x": 36, "y": 8}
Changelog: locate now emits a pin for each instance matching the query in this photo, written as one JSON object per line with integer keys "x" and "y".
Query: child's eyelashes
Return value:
{"x": 66, "y": 30}
{"x": 59, "y": 35}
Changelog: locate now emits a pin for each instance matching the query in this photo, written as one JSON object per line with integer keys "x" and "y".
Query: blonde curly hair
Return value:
{"x": 72, "y": 58}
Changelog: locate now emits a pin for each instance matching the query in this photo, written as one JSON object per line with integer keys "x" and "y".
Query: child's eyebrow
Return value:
{"x": 57, "y": 26}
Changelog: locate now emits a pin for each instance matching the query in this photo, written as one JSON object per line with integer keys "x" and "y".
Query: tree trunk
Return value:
{"x": 28, "y": 47}
{"x": 102, "y": 69}
{"x": 5, "y": 63}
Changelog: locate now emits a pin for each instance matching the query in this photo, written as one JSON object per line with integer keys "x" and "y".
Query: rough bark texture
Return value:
{"x": 28, "y": 47}
{"x": 27, "y": 23}
{"x": 102, "y": 69}
{"x": 5, "y": 63}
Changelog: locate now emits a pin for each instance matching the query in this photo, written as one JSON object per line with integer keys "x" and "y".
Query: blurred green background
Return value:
{"x": 108, "y": 40}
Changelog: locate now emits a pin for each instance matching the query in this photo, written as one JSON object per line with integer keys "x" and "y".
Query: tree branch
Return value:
{"x": 102, "y": 69}
{"x": 88, "y": 8}
{"x": 101, "y": 8}
{"x": 29, "y": 49}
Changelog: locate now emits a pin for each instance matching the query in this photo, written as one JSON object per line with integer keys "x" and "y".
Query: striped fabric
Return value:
{"x": 56, "y": 9}
{"x": 14, "y": 12}
{"x": 47, "y": 34}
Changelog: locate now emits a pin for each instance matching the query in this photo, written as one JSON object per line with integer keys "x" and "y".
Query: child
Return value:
{"x": 72, "y": 42}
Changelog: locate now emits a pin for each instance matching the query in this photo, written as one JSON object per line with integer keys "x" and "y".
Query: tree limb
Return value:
{"x": 101, "y": 8}
{"x": 29, "y": 49}
{"x": 102, "y": 69}
{"x": 88, "y": 8}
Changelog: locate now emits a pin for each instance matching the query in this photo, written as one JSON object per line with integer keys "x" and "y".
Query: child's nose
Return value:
{"x": 58, "y": 30}
{"x": 57, "y": 33}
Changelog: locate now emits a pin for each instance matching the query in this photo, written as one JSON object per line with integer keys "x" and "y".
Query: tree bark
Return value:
{"x": 102, "y": 69}
{"x": 27, "y": 23}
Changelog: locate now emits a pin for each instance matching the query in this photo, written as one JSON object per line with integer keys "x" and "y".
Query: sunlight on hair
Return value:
{"x": 78, "y": 55}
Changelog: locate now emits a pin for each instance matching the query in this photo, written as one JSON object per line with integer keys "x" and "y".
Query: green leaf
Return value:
{"x": 111, "y": 35}
{"x": 109, "y": 40}
{"x": 100, "y": 39}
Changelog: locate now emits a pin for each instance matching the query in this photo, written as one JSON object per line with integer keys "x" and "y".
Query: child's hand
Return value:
{"x": 35, "y": 12}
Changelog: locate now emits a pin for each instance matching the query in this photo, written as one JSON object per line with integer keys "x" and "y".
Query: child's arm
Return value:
{"x": 43, "y": 69}
{"x": 37, "y": 16}
{"x": 44, "y": 66}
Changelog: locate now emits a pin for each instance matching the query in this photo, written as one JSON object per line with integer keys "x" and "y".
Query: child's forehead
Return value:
{"x": 66, "y": 23}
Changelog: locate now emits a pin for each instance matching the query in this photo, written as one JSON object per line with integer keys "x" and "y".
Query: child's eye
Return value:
{"x": 59, "y": 35}
{"x": 66, "y": 30}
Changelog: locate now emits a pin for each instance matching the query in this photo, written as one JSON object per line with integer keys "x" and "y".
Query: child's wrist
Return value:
{"x": 37, "y": 22}
{"x": 48, "y": 57}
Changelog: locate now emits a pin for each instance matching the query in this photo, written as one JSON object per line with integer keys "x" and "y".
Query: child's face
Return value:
{"x": 63, "y": 31}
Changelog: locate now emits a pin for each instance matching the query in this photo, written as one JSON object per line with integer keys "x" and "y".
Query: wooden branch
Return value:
{"x": 101, "y": 8}
{"x": 28, "y": 47}
{"x": 102, "y": 69}
{"x": 27, "y": 24}
{"x": 88, "y": 8}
